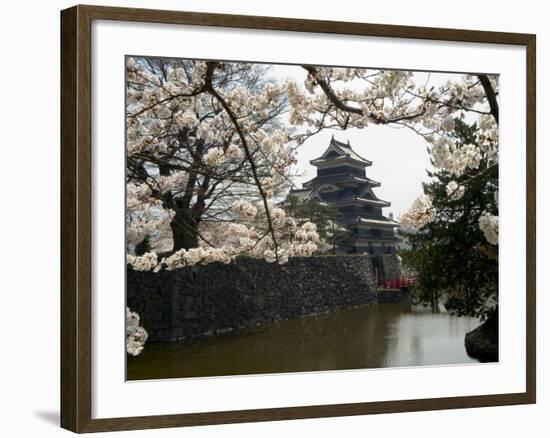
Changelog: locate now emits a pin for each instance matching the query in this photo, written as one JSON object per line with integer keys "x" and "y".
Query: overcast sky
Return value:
{"x": 399, "y": 156}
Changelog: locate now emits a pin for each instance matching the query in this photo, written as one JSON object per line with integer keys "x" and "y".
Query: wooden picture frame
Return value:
{"x": 76, "y": 217}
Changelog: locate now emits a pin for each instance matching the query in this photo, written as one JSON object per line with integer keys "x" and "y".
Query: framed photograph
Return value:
{"x": 268, "y": 219}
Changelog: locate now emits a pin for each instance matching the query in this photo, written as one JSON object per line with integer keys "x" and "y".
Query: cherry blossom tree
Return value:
{"x": 207, "y": 153}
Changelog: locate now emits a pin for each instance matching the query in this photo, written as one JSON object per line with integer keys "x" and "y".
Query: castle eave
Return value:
{"x": 361, "y": 201}
{"x": 344, "y": 179}
{"x": 368, "y": 181}
{"x": 377, "y": 222}
{"x": 337, "y": 161}
{"x": 376, "y": 202}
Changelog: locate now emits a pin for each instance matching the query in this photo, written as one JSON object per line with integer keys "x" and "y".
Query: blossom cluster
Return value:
{"x": 247, "y": 236}
{"x": 488, "y": 223}
{"x": 421, "y": 213}
{"x": 213, "y": 157}
{"x": 145, "y": 262}
{"x": 244, "y": 209}
{"x": 238, "y": 239}
{"x": 455, "y": 158}
{"x": 145, "y": 215}
{"x": 136, "y": 336}
{"x": 200, "y": 255}
{"x": 455, "y": 191}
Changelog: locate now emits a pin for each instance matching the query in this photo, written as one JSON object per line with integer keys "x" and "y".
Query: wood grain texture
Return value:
{"x": 69, "y": 331}
{"x": 531, "y": 218}
{"x": 299, "y": 25}
{"x": 76, "y": 222}
{"x": 76, "y": 235}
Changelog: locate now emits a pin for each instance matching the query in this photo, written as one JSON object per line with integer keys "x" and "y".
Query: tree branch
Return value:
{"x": 332, "y": 96}
{"x": 249, "y": 157}
{"x": 491, "y": 95}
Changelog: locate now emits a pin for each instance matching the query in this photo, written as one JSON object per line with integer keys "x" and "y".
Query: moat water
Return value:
{"x": 384, "y": 335}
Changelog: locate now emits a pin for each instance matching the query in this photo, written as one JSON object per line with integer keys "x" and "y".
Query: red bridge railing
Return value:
{"x": 398, "y": 284}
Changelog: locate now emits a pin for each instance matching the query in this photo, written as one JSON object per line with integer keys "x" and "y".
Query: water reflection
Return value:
{"x": 386, "y": 335}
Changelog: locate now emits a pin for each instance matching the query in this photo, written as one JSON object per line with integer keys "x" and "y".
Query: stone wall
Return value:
{"x": 217, "y": 298}
{"x": 390, "y": 268}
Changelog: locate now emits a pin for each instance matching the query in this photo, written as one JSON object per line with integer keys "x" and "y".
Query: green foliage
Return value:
{"x": 327, "y": 218}
{"x": 454, "y": 262}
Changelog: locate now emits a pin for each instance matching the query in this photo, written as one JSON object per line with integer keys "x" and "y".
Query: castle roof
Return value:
{"x": 357, "y": 200}
{"x": 339, "y": 151}
{"x": 305, "y": 194}
{"x": 378, "y": 222}
{"x": 343, "y": 179}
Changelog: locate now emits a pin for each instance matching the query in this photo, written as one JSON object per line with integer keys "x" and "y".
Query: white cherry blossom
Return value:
{"x": 488, "y": 223}
{"x": 136, "y": 336}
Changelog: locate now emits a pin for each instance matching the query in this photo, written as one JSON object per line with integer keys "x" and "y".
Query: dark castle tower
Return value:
{"x": 342, "y": 182}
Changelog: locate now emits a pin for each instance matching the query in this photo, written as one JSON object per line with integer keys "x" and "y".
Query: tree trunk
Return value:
{"x": 184, "y": 230}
